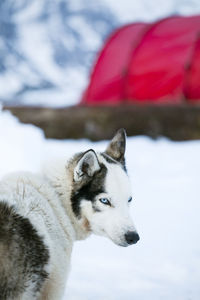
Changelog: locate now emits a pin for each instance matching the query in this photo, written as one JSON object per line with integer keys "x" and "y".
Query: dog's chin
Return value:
{"x": 120, "y": 243}
{"x": 102, "y": 232}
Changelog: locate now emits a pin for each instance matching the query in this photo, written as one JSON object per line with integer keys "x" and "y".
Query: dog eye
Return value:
{"x": 130, "y": 199}
{"x": 105, "y": 201}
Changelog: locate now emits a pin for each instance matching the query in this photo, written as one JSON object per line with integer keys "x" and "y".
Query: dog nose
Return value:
{"x": 132, "y": 237}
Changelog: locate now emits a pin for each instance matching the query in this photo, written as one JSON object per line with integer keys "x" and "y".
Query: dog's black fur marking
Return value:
{"x": 113, "y": 161}
{"x": 108, "y": 158}
{"x": 90, "y": 190}
{"x": 23, "y": 255}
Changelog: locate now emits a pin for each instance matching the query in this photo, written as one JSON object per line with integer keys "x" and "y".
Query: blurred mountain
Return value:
{"x": 47, "y": 47}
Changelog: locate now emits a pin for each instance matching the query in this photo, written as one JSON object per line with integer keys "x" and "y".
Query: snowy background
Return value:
{"x": 47, "y": 47}
{"x": 165, "y": 264}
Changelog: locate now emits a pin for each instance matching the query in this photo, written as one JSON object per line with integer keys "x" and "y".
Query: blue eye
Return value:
{"x": 105, "y": 201}
{"x": 130, "y": 199}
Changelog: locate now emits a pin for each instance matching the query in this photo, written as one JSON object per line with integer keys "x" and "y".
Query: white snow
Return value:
{"x": 145, "y": 10}
{"x": 165, "y": 264}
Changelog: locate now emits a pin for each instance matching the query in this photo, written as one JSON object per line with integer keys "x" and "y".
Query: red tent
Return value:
{"x": 141, "y": 62}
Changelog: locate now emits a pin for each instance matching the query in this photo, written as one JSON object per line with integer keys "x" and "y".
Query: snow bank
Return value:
{"x": 165, "y": 182}
{"x": 21, "y": 146}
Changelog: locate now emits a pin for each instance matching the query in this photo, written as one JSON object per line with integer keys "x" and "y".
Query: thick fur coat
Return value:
{"x": 41, "y": 215}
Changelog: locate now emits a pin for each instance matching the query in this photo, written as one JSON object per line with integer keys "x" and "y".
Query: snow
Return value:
{"x": 145, "y": 10}
{"x": 165, "y": 264}
{"x": 47, "y": 48}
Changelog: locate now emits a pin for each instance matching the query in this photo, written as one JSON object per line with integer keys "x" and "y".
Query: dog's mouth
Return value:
{"x": 121, "y": 242}
{"x": 125, "y": 242}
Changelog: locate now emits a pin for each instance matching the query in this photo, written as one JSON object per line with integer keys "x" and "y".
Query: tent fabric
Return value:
{"x": 142, "y": 62}
{"x": 157, "y": 69}
{"x": 192, "y": 82}
{"x": 107, "y": 79}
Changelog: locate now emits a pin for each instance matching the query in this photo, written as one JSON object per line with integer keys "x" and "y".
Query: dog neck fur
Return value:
{"x": 59, "y": 173}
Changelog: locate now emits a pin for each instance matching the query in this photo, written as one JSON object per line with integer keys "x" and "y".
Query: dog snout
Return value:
{"x": 132, "y": 237}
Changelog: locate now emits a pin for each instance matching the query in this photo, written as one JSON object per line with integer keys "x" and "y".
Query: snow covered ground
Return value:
{"x": 165, "y": 264}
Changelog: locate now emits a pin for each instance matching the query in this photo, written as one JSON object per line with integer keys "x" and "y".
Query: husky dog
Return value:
{"x": 41, "y": 215}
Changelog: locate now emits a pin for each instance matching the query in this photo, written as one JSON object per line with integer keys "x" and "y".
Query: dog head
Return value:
{"x": 102, "y": 194}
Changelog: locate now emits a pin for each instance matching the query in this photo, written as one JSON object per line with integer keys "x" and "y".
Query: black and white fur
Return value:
{"x": 41, "y": 215}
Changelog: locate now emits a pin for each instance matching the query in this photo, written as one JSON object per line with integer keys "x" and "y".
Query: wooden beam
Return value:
{"x": 181, "y": 122}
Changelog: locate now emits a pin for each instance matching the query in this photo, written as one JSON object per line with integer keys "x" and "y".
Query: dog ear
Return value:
{"x": 116, "y": 148}
{"x": 86, "y": 166}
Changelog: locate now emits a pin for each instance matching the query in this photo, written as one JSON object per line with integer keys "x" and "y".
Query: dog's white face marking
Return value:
{"x": 109, "y": 214}
{"x": 102, "y": 193}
